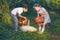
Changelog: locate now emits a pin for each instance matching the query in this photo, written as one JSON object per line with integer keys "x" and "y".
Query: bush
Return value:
{"x": 53, "y": 4}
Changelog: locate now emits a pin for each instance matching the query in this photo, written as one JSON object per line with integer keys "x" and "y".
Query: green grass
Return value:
{"x": 52, "y": 32}
{"x": 6, "y": 34}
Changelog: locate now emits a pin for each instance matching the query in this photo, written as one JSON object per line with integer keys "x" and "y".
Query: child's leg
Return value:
{"x": 15, "y": 22}
{"x": 44, "y": 24}
{"x": 39, "y": 27}
{"x": 43, "y": 28}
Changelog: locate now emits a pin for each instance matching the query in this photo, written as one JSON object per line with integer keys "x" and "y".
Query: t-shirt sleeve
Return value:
{"x": 43, "y": 9}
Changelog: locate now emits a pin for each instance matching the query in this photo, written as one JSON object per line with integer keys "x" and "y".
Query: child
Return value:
{"x": 18, "y": 11}
{"x": 42, "y": 11}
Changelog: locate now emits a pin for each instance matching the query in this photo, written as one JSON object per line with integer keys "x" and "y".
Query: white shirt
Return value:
{"x": 18, "y": 10}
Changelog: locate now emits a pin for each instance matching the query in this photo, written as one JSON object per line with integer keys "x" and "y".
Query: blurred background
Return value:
{"x": 52, "y": 31}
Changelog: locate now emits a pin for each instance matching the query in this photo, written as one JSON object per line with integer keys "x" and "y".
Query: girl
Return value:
{"x": 42, "y": 11}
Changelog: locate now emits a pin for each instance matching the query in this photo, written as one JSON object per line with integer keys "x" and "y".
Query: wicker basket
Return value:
{"x": 39, "y": 20}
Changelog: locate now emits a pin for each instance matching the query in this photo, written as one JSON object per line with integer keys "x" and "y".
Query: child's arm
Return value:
{"x": 37, "y": 15}
{"x": 21, "y": 16}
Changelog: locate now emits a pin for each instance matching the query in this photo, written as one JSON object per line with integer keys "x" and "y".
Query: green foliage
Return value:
{"x": 4, "y": 10}
{"x": 55, "y": 25}
{"x": 7, "y": 5}
{"x": 7, "y": 19}
{"x": 6, "y": 33}
{"x": 53, "y": 4}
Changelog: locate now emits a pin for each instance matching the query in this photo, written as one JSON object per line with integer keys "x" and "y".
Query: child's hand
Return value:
{"x": 24, "y": 17}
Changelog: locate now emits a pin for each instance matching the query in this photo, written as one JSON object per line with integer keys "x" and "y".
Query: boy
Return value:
{"x": 18, "y": 11}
